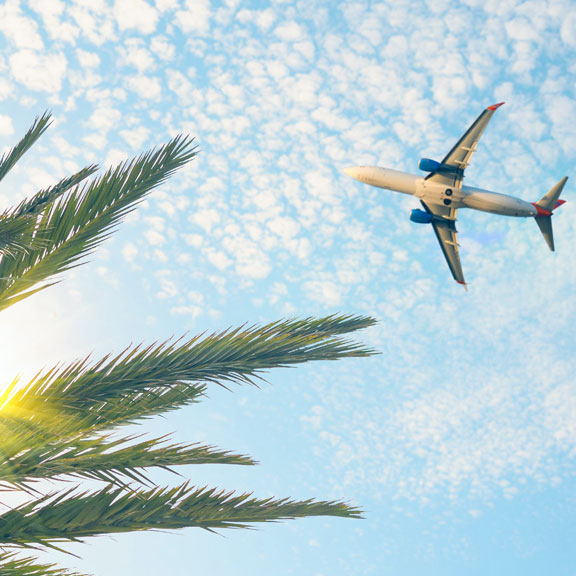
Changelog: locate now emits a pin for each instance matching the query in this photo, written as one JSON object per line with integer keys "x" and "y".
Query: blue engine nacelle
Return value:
{"x": 429, "y": 165}
{"x": 432, "y": 166}
{"x": 420, "y": 217}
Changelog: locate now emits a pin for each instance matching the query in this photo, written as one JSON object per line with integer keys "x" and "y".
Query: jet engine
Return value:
{"x": 432, "y": 166}
{"x": 420, "y": 217}
{"x": 429, "y": 165}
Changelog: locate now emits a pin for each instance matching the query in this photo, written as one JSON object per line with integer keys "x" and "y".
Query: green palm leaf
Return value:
{"x": 18, "y": 232}
{"x": 57, "y": 414}
{"x": 9, "y": 160}
{"x": 73, "y": 227}
{"x": 12, "y": 565}
{"x": 101, "y": 458}
{"x": 67, "y": 516}
{"x": 239, "y": 355}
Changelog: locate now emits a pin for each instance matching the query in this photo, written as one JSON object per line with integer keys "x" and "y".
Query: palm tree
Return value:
{"x": 65, "y": 423}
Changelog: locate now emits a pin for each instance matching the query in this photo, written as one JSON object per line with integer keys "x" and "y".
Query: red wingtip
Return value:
{"x": 495, "y": 106}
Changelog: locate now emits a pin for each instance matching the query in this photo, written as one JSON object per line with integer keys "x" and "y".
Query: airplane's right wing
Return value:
{"x": 444, "y": 224}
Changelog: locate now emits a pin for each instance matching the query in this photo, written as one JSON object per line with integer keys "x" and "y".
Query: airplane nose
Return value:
{"x": 353, "y": 172}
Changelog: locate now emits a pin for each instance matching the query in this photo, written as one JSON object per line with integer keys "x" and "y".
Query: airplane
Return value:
{"x": 442, "y": 193}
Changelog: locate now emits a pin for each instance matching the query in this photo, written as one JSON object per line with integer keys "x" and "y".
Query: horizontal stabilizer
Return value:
{"x": 545, "y": 225}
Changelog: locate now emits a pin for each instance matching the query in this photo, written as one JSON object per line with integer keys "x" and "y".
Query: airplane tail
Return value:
{"x": 545, "y": 206}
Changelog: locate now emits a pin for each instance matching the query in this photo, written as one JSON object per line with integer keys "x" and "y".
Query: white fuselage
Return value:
{"x": 437, "y": 193}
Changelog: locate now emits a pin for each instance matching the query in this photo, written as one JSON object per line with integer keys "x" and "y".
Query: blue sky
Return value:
{"x": 459, "y": 439}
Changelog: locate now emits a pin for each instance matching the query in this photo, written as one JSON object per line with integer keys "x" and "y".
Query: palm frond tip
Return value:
{"x": 69, "y": 230}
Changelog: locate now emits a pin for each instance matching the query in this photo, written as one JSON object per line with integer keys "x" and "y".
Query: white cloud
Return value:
{"x": 168, "y": 288}
{"x": 328, "y": 292}
{"x": 568, "y": 29}
{"x": 147, "y": 87}
{"x": 130, "y": 252}
{"x": 134, "y": 53}
{"x": 180, "y": 85}
{"x": 104, "y": 119}
{"x": 6, "y": 126}
{"x": 39, "y": 72}
{"x": 165, "y": 5}
{"x": 135, "y": 14}
{"x": 264, "y": 19}
{"x": 162, "y": 47}
{"x": 136, "y": 136}
{"x": 193, "y": 311}
{"x": 88, "y": 59}
{"x": 206, "y": 219}
{"x": 6, "y": 88}
{"x": 51, "y": 13}
{"x": 285, "y": 227}
{"x": 289, "y": 31}
{"x": 155, "y": 238}
{"x": 195, "y": 18}
{"x": 19, "y": 29}
{"x": 94, "y": 21}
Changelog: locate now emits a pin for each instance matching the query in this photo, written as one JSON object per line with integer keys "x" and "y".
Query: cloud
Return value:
{"x": 135, "y": 14}
{"x": 568, "y": 29}
{"x": 18, "y": 28}
{"x": 94, "y": 20}
{"x": 88, "y": 59}
{"x": 136, "y": 136}
{"x": 134, "y": 53}
{"x": 39, "y": 72}
{"x": 146, "y": 87}
{"x": 6, "y": 126}
{"x": 195, "y": 18}
{"x": 163, "y": 48}
{"x": 51, "y": 13}
{"x": 130, "y": 252}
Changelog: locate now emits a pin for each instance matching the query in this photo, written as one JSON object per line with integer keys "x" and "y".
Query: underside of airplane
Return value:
{"x": 442, "y": 193}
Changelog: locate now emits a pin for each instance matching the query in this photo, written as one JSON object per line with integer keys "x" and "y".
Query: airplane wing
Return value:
{"x": 444, "y": 224}
{"x": 455, "y": 162}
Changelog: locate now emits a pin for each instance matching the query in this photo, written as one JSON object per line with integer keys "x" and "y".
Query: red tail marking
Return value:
{"x": 541, "y": 211}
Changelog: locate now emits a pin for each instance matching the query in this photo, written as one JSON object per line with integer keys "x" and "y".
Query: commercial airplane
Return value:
{"x": 442, "y": 193}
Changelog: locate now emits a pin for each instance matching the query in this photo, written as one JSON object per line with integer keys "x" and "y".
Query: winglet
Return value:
{"x": 495, "y": 106}
{"x": 463, "y": 284}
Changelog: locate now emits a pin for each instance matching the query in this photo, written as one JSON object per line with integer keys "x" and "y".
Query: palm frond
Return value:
{"x": 75, "y": 225}
{"x": 114, "y": 461}
{"x": 71, "y": 516}
{"x": 18, "y": 226}
{"x": 39, "y": 201}
{"x": 239, "y": 355}
{"x": 51, "y": 424}
{"x": 12, "y": 565}
{"x": 8, "y": 160}
{"x": 16, "y": 235}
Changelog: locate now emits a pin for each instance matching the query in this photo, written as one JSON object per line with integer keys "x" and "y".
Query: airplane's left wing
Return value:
{"x": 455, "y": 162}
{"x": 444, "y": 224}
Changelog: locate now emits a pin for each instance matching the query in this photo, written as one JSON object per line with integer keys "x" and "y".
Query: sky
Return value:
{"x": 459, "y": 439}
